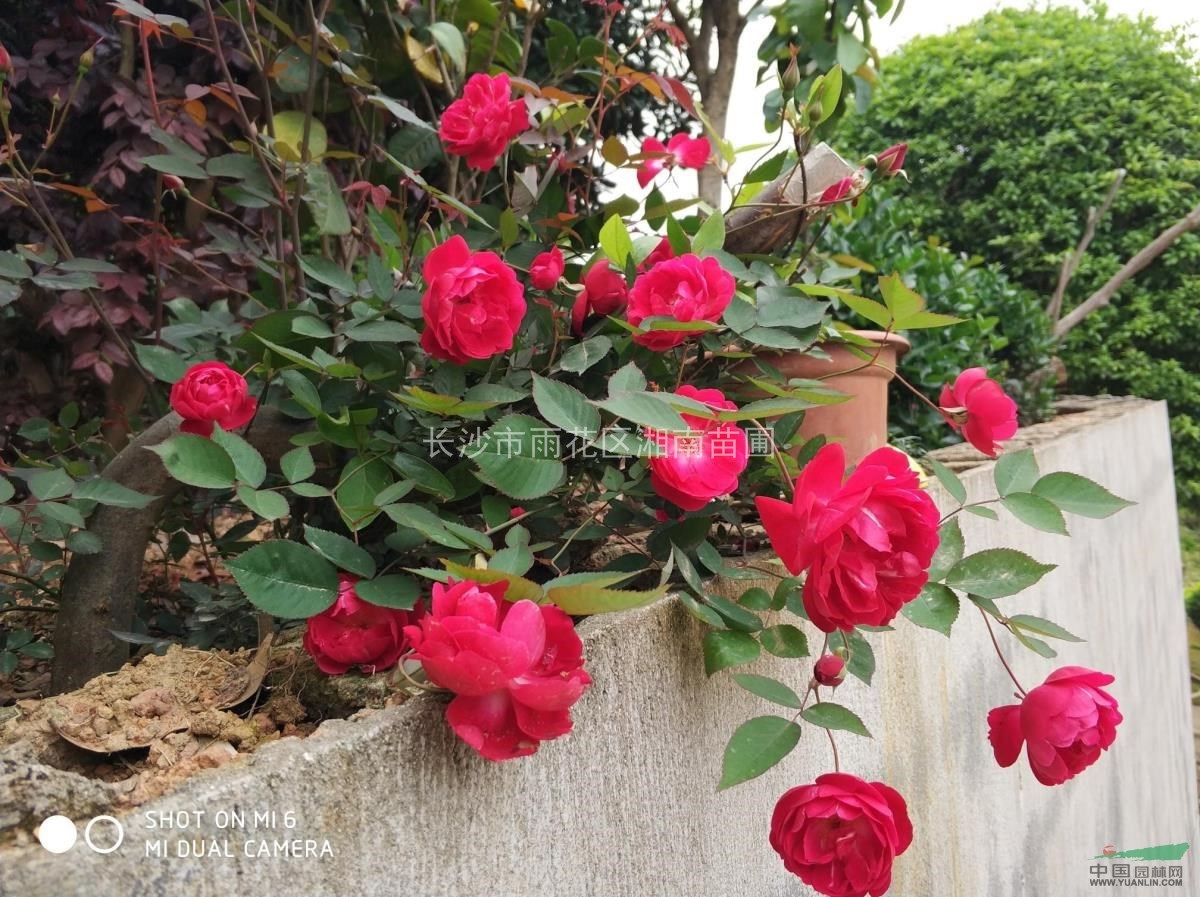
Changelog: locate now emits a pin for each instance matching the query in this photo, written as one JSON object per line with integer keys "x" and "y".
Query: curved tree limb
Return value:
{"x": 99, "y": 592}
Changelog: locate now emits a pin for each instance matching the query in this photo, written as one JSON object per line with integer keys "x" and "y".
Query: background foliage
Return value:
{"x": 1016, "y": 125}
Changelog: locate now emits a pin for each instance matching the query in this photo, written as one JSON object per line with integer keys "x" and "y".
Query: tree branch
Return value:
{"x": 1129, "y": 270}
{"x": 1071, "y": 263}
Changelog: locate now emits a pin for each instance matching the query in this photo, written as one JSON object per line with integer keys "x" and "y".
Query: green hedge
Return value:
{"x": 1016, "y": 124}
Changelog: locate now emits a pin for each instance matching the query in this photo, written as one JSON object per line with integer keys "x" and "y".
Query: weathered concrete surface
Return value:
{"x": 626, "y": 806}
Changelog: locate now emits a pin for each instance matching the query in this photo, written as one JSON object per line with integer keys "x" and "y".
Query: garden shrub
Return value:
{"x": 1016, "y": 124}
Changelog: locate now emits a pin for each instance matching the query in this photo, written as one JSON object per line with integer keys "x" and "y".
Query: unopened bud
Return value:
{"x": 6, "y": 64}
{"x": 790, "y": 76}
{"x": 87, "y": 60}
{"x": 830, "y": 670}
{"x": 172, "y": 182}
{"x": 891, "y": 160}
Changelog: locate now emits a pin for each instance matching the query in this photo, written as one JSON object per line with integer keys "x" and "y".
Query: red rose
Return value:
{"x": 840, "y": 835}
{"x": 660, "y": 253}
{"x": 516, "y": 669}
{"x": 1065, "y": 723}
{"x": 546, "y": 269}
{"x": 979, "y": 407}
{"x": 698, "y": 465}
{"x": 473, "y": 304}
{"x": 686, "y": 288}
{"x": 890, "y": 162}
{"x": 830, "y": 671}
{"x": 866, "y": 543}
{"x": 212, "y": 392}
{"x": 483, "y": 121}
{"x": 835, "y": 193}
{"x": 604, "y": 293}
{"x": 351, "y": 632}
{"x": 680, "y": 151}
{"x": 6, "y": 64}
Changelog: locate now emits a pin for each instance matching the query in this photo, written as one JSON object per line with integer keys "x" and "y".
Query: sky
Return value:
{"x": 918, "y": 18}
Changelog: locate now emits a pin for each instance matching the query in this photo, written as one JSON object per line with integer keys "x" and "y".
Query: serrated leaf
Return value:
{"x": 329, "y": 273}
{"x": 1035, "y": 511}
{"x": 249, "y": 465}
{"x": 266, "y": 504}
{"x": 710, "y": 235}
{"x": 340, "y": 551}
{"x": 175, "y": 165}
{"x": 196, "y": 461}
{"x": 769, "y": 689}
{"x": 996, "y": 572}
{"x": 736, "y": 616}
{"x": 297, "y": 464}
{"x": 47, "y": 485}
{"x": 1043, "y": 627}
{"x": 948, "y": 478}
{"x": 755, "y": 747}
{"x": 724, "y": 648}
{"x": 1077, "y": 494}
{"x": 516, "y": 456}
{"x": 861, "y": 662}
{"x": 828, "y": 715}
{"x": 83, "y": 542}
{"x": 582, "y": 356}
{"x": 615, "y": 241}
{"x": 565, "y": 407}
{"x": 784, "y": 640}
{"x": 644, "y": 408}
{"x": 324, "y": 200}
{"x": 517, "y": 587}
{"x": 1015, "y": 472}
{"x": 164, "y": 363}
{"x": 394, "y": 591}
{"x": 579, "y": 598}
{"x": 285, "y": 579}
{"x": 936, "y": 608}
{"x": 949, "y": 551}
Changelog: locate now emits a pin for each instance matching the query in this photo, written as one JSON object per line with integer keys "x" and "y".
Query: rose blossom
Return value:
{"x": 830, "y": 671}
{"x": 351, "y": 632}
{"x": 1064, "y": 724}
{"x": 604, "y": 293}
{"x": 546, "y": 269}
{"x": 978, "y": 406}
{"x": 483, "y": 121}
{"x": 515, "y": 669}
{"x": 660, "y": 253}
{"x": 687, "y": 288}
{"x": 681, "y": 150}
{"x": 212, "y": 392}
{"x": 473, "y": 304}
{"x": 841, "y": 834}
{"x": 694, "y": 467}
{"x": 866, "y": 543}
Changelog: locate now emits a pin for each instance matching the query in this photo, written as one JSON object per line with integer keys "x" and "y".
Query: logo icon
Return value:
{"x": 57, "y": 834}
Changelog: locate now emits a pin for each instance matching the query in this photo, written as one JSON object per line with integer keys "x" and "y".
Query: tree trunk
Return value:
{"x": 99, "y": 593}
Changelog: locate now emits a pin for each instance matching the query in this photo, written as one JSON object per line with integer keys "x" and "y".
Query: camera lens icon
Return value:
{"x": 103, "y": 834}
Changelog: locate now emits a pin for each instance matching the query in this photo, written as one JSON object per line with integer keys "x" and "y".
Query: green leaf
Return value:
{"x": 360, "y": 482}
{"x": 628, "y": 379}
{"x": 1036, "y": 645}
{"x": 996, "y": 572}
{"x": 249, "y": 465}
{"x": 949, "y": 551}
{"x": 424, "y": 475}
{"x": 736, "y": 616}
{"x": 83, "y": 542}
{"x": 324, "y": 200}
{"x": 755, "y": 747}
{"x": 329, "y": 273}
{"x": 582, "y": 356}
{"x": 266, "y": 504}
{"x": 339, "y": 550}
{"x": 302, "y": 390}
{"x": 615, "y": 241}
{"x": 289, "y": 137}
{"x": 310, "y": 490}
{"x": 297, "y": 464}
{"x": 985, "y": 513}
{"x": 163, "y": 363}
{"x": 381, "y": 332}
{"x": 869, "y": 309}
{"x": 14, "y": 267}
{"x": 450, "y": 41}
{"x": 784, "y": 640}
{"x": 426, "y": 522}
{"x": 285, "y": 579}
{"x": 38, "y": 650}
{"x": 755, "y": 598}
{"x": 936, "y": 608}
{"x": 948, "y": 478}
{"x": 769, "y": 689}
{"x": 50, "y": 484}
{"x": 1035, "y": 511}
{"x": 518, "y": 588}
{"x": 1015, "y": 472}
{"x": 62, "y": 513}
{"x": 174, "y": 165}
{"x": 644, "y": 408}
{"x": 517, "y": 457}
{"x": 7, "y": 490}
{"x": 394, "y": 591}
{"x": 861, "y": 662}
{"x": 1077, "y": 494}
{"x": 578, "y": 595}
{"x": 1043, "y": 627}
{"x": 724, "y": 648}
{"x": 565, "y": 407}
{"x": 710, "y": 236}
{"x": 828, "y": 715}
{"x": 196, "y": 461}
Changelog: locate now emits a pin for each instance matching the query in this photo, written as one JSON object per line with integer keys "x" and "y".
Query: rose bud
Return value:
{"x": 891, "y": 160}
{"x": 835, "y": 193}
{"x": 830, "y": 671}
{"x": 172, "y": 182}
{"x": 546, "y": 269}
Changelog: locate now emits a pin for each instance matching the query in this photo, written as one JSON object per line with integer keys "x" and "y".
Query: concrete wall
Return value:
{"x": 627, "y": 806}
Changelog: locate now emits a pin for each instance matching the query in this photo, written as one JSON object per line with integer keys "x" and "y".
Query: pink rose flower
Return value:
{"x": 483, "y": 121}
{"x": 696, "y": 466}
{"x": 830, "y": 671}
{"x": 680, "y": 151}
{"x": 516, "y": 669}
{"x": 212, "y": 392}
{"x": 1064, "y": 724}
{"x": 473, "y": 303}
{"x": 604, "y": 293}
{"x": 686, "y": 288}
{"x": 979, "y": 408}
{"x": 890, "y": 162}
{"x": 351, "y": 632}
{"x": 866, "y": 543}
{"x": 546, "y": 269}
{"x": 841, "y": 834}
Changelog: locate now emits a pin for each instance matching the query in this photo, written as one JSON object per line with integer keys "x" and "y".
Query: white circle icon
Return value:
{"x": 117, "y": 838}
{"x": 57, "y": 834}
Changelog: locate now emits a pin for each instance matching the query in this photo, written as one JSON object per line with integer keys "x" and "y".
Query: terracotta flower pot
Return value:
{"x": 859, "y": 424}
